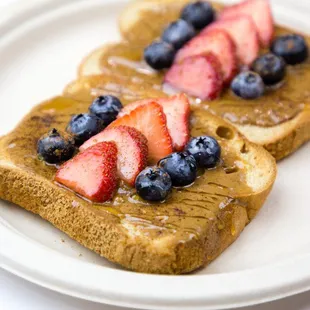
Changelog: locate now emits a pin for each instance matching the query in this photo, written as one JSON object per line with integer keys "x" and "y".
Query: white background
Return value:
{"x": 18, "y": 294}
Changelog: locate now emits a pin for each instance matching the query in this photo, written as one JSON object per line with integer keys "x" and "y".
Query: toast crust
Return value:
{"x": 101, "y": 230}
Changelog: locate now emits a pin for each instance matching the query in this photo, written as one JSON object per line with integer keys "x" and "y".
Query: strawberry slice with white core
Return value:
{"x": 243, "y": 32}
{"x": 150, "y": 120}
{"x": 260, "y": 12}
{"x": 92, "y": 173}
{"x": 198, "y": 76}
{"x": 218, "y": 42}
{"x": 132, "y": 150}
{"x": 177, "y": 111}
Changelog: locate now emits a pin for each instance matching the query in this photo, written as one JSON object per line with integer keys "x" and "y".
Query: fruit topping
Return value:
{"x": 292, "y": 48}
{"x": 260, "y": 12}
{"x": 270, "y": 67}
{"x": 199, "y": 76}
{"x": 206, "y": 151}
{"x": 92, "y": 173}
{"x": 243, "y": 31}
{"x": 200, "y": 14}
{"x": 178, "y": 33}
{"x": 153, "y": 184}
{"x": 106, "y": 107}
{"x": 181, "y": 167}
{"x": 248, "y": 85}
{"x": 55, "y": 147}
{"x": 84, "y": 126}
{"x": 219, "y": 43}
{"x": 150, "y": 120}
{"x": 132, "y": 150}
{"x": 159, "y": 55}
{"x": 177, "y": 111}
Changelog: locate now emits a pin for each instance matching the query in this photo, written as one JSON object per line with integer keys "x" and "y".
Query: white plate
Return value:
{"x": 40, "y": 48}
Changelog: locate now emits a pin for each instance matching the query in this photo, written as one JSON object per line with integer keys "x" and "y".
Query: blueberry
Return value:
{"x": 292, "y": 47}
{"x": 106, "y": 108}
{"x": 206, "y": 151}
{"x": 248, "y": 85}
{"x": 178, "y": 33}
{"x": 84, "y": 126}
{"x": 270, "y": 67}
{"x": 55, "y": 147}
{"x": 181, "y": 167}
{"x": 159, "y": 55}
{"x": 153, "y": 184}
{"x": 200, "y": 14}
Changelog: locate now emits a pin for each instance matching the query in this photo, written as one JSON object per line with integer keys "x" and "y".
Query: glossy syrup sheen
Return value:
{"x": 187, "y": 213}
{"x": 279, "y": 104}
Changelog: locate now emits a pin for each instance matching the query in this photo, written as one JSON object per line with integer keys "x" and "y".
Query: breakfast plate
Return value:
{"x": 41, "y": 45}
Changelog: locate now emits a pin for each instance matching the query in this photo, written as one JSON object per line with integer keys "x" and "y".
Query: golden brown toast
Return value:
{"x": 186, "y": 232}
{"x": 279, "y": 121}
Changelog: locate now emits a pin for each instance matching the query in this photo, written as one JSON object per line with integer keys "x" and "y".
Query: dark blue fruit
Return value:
{"x": 206, "y": 151}
{"x": 55, "y": 147}
{"x": 248, "y": 85}
{"x": 106, "y": 107}
{"x": 181, "y": 167}
{"x": 200, "y": 14}
{"x": 178, "y": 33}
{"x": 84, "y": 126}
{"x": 153, "y": 184}
{"x": 159, "y": 55}
{"x": 292, "y": 48}
{"x": 270, "y": 67}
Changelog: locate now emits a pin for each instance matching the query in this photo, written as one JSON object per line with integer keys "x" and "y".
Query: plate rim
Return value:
{"x": 163, "y": 292}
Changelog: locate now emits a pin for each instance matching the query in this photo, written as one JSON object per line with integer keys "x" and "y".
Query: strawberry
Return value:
{"x": 92, "y": 173}
{"x": 151, "y": 121}
{"x": 243, "y": 31}
{"x": 220, "y": 44}
{"x": 260, "y": 11}
{"x": 177, "y": 111}
{"x": 198, "y": 76}
{"x": 132, "y": 150}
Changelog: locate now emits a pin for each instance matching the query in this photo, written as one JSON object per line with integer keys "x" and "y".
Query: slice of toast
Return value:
{"x": 189, "y": 230}
{"x": 280, "y": 139}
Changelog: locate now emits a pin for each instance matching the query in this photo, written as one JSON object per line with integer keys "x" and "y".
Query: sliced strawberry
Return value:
{"x": 218, "y": 42}
{"x": 92, "y": 173}
{"x": 151, "y": 121}
{"x": 177, "y": 111}
{"x": 243, "y": 31}
{"x": 132, "y": 150}
{"x": 260, "y": 11}
{"x": 198, "y": 76}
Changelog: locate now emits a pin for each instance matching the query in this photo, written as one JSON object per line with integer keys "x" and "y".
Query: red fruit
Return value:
{"x": 132, "y": 150}
{"x": 260, "y": 12}
{"x": 151, "y": 121}
{"x": 198, "y": 76}
{"x": 177, "y": 111}
{"x": 92, "y": 173}
{"x": 243, "y": 31}
{"x": 220, "y": 44}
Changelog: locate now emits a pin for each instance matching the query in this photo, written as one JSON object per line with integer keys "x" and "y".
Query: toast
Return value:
{"x": 280, "y": 137}
{"x": 186, "y": 232}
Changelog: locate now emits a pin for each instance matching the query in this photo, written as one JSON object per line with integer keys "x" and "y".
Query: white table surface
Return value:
{"x": 19, "y": 294}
